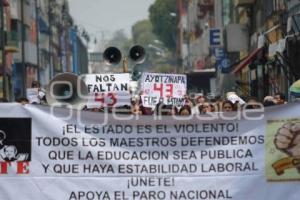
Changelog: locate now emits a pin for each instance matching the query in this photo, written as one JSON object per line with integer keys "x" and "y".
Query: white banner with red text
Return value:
{"x": 169, "y": 89}
{"x": 108, "y": 90}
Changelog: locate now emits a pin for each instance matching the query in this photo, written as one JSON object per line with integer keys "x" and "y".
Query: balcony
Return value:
{"x": 12, "y": 42}
{"x": 238, "y": 3}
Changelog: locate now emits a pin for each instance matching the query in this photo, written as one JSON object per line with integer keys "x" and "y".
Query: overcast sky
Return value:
{"x": 107, "y": 16}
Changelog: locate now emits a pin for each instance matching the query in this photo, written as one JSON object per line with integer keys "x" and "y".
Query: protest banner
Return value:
{"x": 108, "y": 90}
{"x": 85, "y": 155}
{"x": 169, "y": 89}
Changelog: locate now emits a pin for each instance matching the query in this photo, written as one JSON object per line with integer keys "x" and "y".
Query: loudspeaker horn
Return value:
{"x": 67, "y": 90}
{"x": 112, "y": 56}
{"x": 137, "y": 54}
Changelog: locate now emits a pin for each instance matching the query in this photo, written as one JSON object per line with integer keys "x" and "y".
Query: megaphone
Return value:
{"x": 66, "y": 89}
{"x": 112, "y": 56}
{"x": 137, "y": 54}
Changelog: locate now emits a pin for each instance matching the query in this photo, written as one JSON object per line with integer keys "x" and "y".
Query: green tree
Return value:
{"x": 164, "y": 23}
{"x": 120, "y": 40}
{"x": 142, "y": 33}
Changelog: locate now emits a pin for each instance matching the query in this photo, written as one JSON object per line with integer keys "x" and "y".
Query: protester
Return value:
{"x": 36, "y": 94}
{"x": 185, "y": 110}
{"x": 207, "y": 108}
{"x": 227, "y": 106}
{"x": 252, "y": 103}
{"x": 197, "y": 109}
{"x": 269, "y": 101}
{"x": 135, "y": 108}
{"x": 237, "y": 101}
{"x": 279, "y": 98}
{"x": 199, "y": 104}
{"x": 146, "y": 110}
{"x": 188, "y": 101}
{"x": 200, "y": 98}
{"x": 23, "y": 101}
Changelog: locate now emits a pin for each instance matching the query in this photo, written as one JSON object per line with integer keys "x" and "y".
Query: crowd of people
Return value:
{"x": 201, "y": 104}
{"x": 193, "y": 105}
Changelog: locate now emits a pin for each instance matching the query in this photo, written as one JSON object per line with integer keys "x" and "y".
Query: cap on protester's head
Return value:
{"x": 295, "y": 89}
{"x": 233, "y": 97}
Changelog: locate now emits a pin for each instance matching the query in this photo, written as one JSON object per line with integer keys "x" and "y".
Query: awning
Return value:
{"x": 246, "y": 61}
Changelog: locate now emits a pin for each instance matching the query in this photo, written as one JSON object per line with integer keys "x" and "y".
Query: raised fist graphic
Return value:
{"x": 287, "y": 139}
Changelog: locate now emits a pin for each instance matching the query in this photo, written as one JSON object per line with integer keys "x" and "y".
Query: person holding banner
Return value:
{"x": 207, "y": 108}
{"x": 200, "y": 98}
{"x": 227, "y": 106}
{"x": 185, "y": 110}
{"x": 279, "y": 98}
{"x": 23, "y": 101}
{"x": 35, "y": 94}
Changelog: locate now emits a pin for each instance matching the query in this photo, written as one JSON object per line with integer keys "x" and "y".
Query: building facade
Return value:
{"x": 196, "y": 21}
{"x": 38, "y": 44}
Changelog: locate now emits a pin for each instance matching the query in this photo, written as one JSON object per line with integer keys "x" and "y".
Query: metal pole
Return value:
{"x": 50, "y": 38}
{"x": 37, "y": 38}
{"x": 188, "y": 40}
{"x": 3, "y": 49}
{"x": 178, "y": 38}
{"x": 61, "y": 40}
{"x": 23, "y": 50}
{"x": 125, "y": 65}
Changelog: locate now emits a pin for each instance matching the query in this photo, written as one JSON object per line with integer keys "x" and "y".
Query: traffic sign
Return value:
{"x": 222, "y": 62}
{"x": 215, "y": 37}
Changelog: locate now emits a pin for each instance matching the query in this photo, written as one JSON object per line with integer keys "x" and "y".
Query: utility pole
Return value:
{"x": 37, "y": 38}
{"x": 23, "y": 50}
{"x": 179, "y": 36}
{"x": 50, "y": 37}
{"x": 3, "y": 50}
{"x": 188, "y": 40}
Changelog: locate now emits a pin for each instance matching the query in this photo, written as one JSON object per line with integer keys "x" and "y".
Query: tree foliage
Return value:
{"x": 164, "y": 23}
{"x": 142, "y": 33}
{"x": 120, "y": 40}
